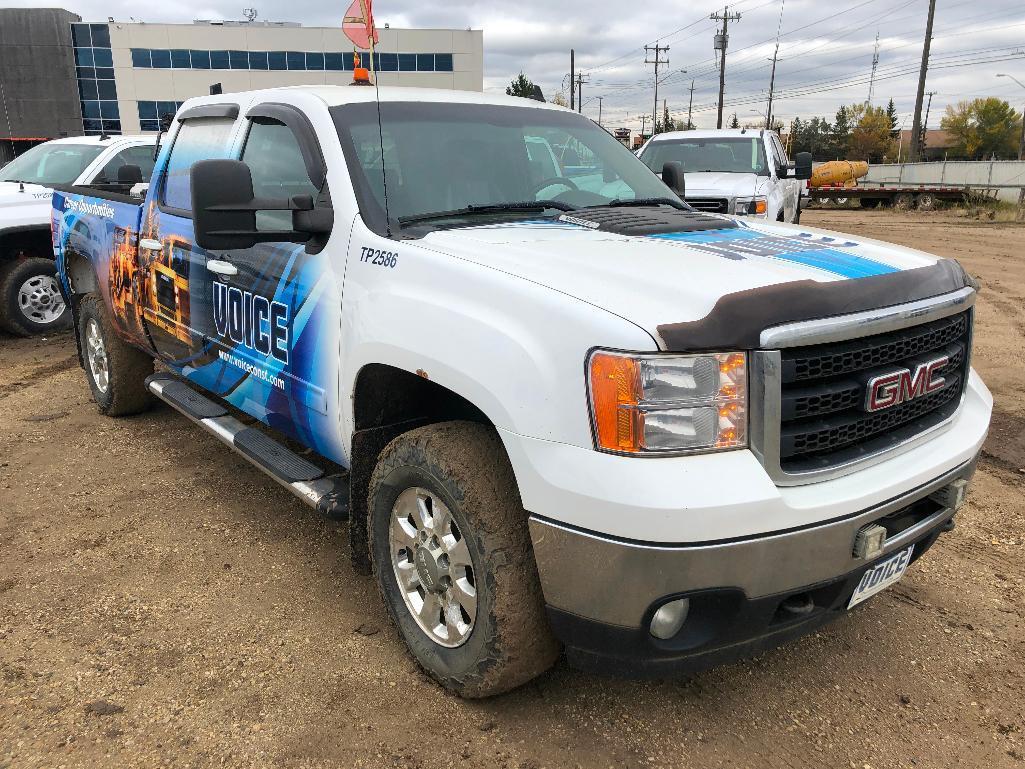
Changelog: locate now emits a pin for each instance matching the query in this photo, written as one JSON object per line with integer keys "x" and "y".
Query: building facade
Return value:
{"x": 121, "y": 77}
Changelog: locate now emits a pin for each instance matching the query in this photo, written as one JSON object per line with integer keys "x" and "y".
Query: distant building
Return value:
{"x": 62, "y": 77}
{"x": 937, "y": 143}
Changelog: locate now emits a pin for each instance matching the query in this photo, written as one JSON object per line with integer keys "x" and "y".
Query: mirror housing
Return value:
{"x": 802, "y": 165}
{"x": 224, "y": 210}
{"x": 672, "y": 176}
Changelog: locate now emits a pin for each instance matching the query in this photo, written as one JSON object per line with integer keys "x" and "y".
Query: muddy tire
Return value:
{"x": 452, "y": 556}
{"x": 115, "y": 370}
{"x": 30, "y": 298}
{"x": 926, "y": 201}
{"x": 904, "y": 201}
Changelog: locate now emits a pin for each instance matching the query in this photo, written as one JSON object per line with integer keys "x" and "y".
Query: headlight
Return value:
{"x": 752, "y": 206}
{"x": 651, "y": 404}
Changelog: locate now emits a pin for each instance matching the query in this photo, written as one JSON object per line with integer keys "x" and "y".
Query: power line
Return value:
{"x": 657, "y": 51}
{"x": 722, "y": 40}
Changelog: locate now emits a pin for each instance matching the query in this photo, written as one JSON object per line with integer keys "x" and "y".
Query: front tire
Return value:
{"x": 116, "y": 371}
{"x": 452, "y": 555}
{"x": 30, "y": 298}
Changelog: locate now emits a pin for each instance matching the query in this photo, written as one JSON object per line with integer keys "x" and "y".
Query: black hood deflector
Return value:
{"x": 645, "y": 220}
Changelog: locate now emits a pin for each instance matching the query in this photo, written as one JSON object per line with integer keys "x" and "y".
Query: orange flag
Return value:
{"x": 358, "y": 24}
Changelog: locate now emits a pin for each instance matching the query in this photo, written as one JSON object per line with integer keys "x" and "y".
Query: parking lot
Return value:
{"x": 162, "y": 603}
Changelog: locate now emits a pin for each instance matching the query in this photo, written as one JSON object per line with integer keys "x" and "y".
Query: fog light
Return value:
{"x": 952, "y": 495}
{"x": 869, "y": 541}
{"x": 670, "y": 618}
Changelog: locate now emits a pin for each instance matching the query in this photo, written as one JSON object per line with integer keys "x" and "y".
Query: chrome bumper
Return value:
{"x": 616, "y": 582}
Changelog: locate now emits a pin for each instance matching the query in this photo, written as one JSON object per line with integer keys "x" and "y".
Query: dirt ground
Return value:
{"x": 164, "y": 604}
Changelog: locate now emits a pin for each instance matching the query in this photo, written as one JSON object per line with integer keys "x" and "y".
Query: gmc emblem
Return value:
{"x": 887, "y": 390}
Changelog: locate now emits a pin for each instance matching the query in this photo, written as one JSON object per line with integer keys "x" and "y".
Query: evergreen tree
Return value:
{"x": 840, "y": 136}
{"x": 891, "y": 113}
{"x": 521, "y": 86}
{"x": 734, "y": 123}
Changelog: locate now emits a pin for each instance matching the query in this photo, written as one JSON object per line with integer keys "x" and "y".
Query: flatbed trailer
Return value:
{"x": 924, "y": 197}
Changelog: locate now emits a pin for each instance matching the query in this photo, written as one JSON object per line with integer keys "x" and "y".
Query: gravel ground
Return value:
{"x": 164, "y": 604}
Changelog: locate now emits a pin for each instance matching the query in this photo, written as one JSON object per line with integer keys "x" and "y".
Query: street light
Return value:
{"x": 1021, "y": 141}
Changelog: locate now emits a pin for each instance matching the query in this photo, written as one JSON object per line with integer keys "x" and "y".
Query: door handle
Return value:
{"x": 148, "y": 244}
{"x": 221, "y": 267}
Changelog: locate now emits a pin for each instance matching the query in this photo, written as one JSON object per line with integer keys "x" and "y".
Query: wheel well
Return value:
{"x": 80, "y": 273}
{"x": 20, "y": 243}
{"x": 388, "y": 401}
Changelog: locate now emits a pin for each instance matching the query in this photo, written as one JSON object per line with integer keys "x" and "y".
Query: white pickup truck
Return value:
{"x": 742, "y": 171}
{"x": 30, "y": 299}
{"x": 561, "y": 409}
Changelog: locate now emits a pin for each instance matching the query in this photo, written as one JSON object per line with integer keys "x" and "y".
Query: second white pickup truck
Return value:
{"x": 560, "y": 408}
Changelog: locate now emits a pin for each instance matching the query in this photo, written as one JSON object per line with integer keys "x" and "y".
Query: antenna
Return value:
{"x": 872, "y": 79}
{"x": 250, "y": 14}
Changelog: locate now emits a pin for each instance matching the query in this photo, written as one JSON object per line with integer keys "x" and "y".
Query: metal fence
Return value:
{"x": 1004, "y": 178}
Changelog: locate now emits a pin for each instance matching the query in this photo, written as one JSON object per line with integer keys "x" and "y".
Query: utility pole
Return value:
{"x": 925, "y": 124}
{"x": 572, "y": 77}
{"x": 772, "y": 85}
{"x": 722, "y": 40}
{"x": 690, "y": 107}
{"x": 872, "y": 78}
{"x": 580, "y": 91}
{"x": 599, "y": 110}
{"x": 644, "y": 120}
{"x": 657, "y": 50}
{"x": 916, "y": 126}
{"x": 665, "y": 114}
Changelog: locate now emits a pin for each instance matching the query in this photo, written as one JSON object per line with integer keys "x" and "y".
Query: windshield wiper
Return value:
{"x": 646, "y": 202}
{"x": 478, "y": 209}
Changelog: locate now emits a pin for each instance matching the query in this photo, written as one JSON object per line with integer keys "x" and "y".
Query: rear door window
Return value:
{"x": 140, "y": 155}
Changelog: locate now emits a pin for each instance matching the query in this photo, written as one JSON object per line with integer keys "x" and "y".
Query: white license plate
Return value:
{"x": 881, "y": 576}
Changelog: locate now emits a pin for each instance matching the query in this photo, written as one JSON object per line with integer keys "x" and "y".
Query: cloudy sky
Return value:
{"x": 825, "y": 48}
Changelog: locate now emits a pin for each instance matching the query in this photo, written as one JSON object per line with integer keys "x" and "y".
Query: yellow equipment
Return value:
{"x": 169, "y": 288}
{"x": 837, "y": 173}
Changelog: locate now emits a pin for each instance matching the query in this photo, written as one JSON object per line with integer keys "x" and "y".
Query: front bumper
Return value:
{"x": 602, "y": 592}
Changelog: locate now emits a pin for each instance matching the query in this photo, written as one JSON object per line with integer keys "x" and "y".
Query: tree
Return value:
{"x": 521, "y": 86}
{"x": 983, "y": 128}
{"x": 734, "y": 123}
{"x": 891, "y": 113}
{"x": 560, "y": 99}
{"x": 840, "y": 136}
{"x": 870, "y": 138}
{"x": 666, "y": 123}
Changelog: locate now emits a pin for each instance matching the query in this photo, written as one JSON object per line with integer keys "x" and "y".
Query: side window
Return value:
{"x": 141, "y": 156}
{"x": 778, "y": 152}
{"x": 273, "y": 155}
{"x": 197, "y": 139}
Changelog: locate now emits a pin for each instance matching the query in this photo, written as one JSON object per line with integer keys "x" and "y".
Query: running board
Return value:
{"x": 328, "y": 494}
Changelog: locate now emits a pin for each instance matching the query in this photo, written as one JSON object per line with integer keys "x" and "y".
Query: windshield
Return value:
{"x": 734, "y": 154}
{"x": 51, "y": 163}
{"x": 444, "y": 157}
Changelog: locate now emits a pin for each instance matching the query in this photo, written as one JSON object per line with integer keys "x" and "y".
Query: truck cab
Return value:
{"x": 557, "y": 415}
{"x": 742, "y": 171}
{"x": 30, "y": 298}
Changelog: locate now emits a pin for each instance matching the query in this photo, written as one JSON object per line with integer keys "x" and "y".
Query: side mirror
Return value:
{"x": 224, "y": 209}
{"x": 802, "y": 165}
{"x": 672, "y": 176}
{"x": 129, "y": 175}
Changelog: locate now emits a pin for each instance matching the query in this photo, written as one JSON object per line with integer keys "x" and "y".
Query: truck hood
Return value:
{"x": 652, "y": 280}
{"x": 721, "y": 184}
{"x": 12, "y": 197}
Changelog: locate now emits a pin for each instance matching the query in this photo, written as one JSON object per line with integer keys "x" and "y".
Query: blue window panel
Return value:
{"x": 149, "y": 125}
{"x": 277, "y": 60}
{"x": 84, "y": 57}
{"x": 85, "y": 73}
{"x": 238, "y": 59}
{"x": 296, "y": 59}
{"x": 141, "y": 58}
{"x": 314, "y": 60}
{"x": 161, "y": 58}
{"x": 407, "y": 62}
{"x": 219, "y": 60}
{"x": 425, "y": 62}
{"x": 349, "y": 61}
{"x": 109, "y": 110}
{"x": 104, "y": 73}
{"x": 442, "y": 62}
{"x": 180, "y": 59}
{"x": 101, "y": 35}
{"x": 166, "y": 108}
{"x": 147, "y": 110}
{"x": 106, "y": 89}
{"x": 92, "y": 126}
{"x": 200, "y": 59}
{"x": 257, "y": 60}
{"x": 80, "y": 36}
{"x": 91, "y": 109}
{"x": 87, "y": 90}
{"x": 102, "y": 57}
{"x": 112, "y": 126}
{"x": 334, "y": 62}
{"x": 388, "y": 62}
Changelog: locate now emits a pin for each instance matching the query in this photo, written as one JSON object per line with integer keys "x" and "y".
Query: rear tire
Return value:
{"x": 116, "y": 371}
{"x": 30, "y": 298}
{"x": 446, "y": 519}
{"x": 904, "y": 201}
{"x": 926, "y": 201}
